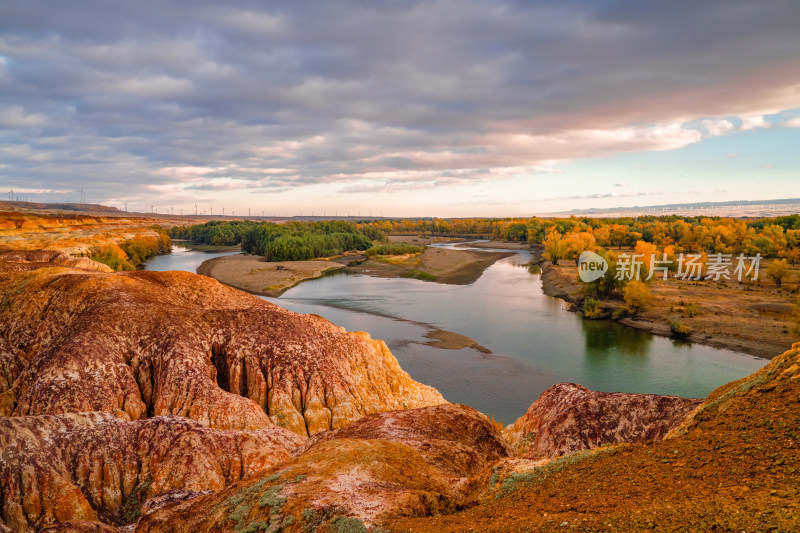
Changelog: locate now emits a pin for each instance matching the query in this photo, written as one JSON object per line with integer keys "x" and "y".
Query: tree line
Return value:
{"x": 777, "y": 237}
{"x": 293, "y": 241}
{"x": 131, "y": 253}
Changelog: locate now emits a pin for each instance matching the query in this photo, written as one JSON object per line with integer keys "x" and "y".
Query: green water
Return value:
{"x": 535, "y": 341}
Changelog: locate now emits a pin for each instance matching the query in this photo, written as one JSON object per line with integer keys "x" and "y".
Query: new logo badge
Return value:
{"x": 591, "y": 266}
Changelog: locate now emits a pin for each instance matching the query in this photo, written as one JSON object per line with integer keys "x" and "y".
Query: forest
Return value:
{"x": 293, "y": 241}
{"x": 777, "y": 237}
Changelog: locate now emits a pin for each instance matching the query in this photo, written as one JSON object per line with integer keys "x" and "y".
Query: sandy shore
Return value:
{"x": 252, "y": 274}
{"x": 754, "y": 319}
{"x": 458, "y": 267}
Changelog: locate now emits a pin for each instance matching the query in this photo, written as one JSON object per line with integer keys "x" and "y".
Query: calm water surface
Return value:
{"x": 535, "y": 342}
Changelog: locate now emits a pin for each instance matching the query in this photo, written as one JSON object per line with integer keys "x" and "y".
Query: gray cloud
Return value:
{"x": 151, "y": 98}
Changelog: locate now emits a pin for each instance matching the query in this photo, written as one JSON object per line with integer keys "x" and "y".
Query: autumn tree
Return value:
{"x": 648, "y": 252}
{"x": 553, "y": 246}
{"x": 778, "y": 270}
{"x": 576, "y": 243}
{"x": 637, "y": 296}
{"x": 113, "y": 256}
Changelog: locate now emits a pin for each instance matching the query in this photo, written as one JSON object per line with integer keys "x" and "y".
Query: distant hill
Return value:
{"x": 72, "y": 208}
{"x": 736, "y": 208}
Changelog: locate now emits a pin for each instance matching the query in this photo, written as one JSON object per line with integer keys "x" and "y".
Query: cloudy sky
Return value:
{"x": 405, "y": 108}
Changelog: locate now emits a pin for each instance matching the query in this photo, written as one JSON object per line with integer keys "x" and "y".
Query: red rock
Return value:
{"x": 568, "y": 418}
{"x": 406, "y": 463}
{"x": 42, "y": 258}
{"x": 91, "y": 466}
{"x": 140, "y": 344}
{"x": 80, "y": 526}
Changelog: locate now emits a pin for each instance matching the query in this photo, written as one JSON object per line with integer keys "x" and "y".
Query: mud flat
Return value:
{"x": 457, "y": 267}
{"x": 253, "y": 274}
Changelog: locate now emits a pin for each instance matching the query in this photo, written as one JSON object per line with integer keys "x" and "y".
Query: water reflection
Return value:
{"x": 603, "y": 337}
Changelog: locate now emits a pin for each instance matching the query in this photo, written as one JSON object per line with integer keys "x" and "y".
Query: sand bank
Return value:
{"x": 253, "y": 274}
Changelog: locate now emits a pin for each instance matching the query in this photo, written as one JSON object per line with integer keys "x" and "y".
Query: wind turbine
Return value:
{"x": 11, "y": 195}
{"x": 83, "y": 195}
{"x": 126, "y": 205}
{"x": 223, "y": 210}
{"x": 195, "y": 209}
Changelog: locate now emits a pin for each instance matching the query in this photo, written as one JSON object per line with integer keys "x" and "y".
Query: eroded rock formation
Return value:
{"x": 568, "y": 418}
{"x": 140, "y": 344}
{"x": 410, "y": 463}
{"x": 90, "y": 466}
{"x": 90, "y": 361}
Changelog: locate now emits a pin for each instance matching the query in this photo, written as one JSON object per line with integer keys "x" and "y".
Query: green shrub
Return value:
{"x": 622, "y": 312}
{"x": 680, "y": 330}
{"x": 593, "y": 309}
{"x": 394, "y": 249}
{"x": 131, "y": 253}
{"x": 419, "y": 274}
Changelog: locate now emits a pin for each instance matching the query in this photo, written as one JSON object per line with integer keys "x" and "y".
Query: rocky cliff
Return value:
{"x": 91, "y": 466}
{"x": 142, "y": 344}
{"x": 75, "y": 234}
{"x": 569, "y": 418}
{"x": 384, "y": 466}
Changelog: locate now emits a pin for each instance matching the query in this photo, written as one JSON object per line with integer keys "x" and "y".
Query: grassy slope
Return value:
{"x": 733, "y": 466}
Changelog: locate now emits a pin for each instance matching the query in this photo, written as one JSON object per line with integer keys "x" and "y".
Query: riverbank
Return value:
{"x": 253, "y": 274}
{"x": 496, "y": 245}
{"x": 210, "y": 248}
{"x": 751, "y": 319}
{"x": 455, "y": 267}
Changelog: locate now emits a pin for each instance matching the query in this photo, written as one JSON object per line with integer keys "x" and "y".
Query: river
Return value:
{"x": 535, "y": 341}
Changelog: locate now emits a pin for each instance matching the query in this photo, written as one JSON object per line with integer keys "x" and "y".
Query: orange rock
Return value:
{"x": 404, "y": 463}
{"x": 56, "y": 468}
{"x": 139, "y": 344}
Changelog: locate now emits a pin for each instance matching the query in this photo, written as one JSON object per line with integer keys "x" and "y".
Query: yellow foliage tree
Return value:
{"x": 648, "y": 252}
{"x": 576, "y": 243}
{"x": 637, "y": 296}
{"x": 777, "y": 270}
{"x": 553, "y": 246}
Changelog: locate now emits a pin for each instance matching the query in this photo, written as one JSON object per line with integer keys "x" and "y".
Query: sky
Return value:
{"x": 404, "y": 108}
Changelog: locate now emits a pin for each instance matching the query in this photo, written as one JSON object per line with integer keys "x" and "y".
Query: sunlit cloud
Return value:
{"x": 226, "y": 99}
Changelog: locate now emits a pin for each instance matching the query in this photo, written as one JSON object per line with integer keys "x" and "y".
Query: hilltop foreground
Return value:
{"x": 148, "y": 401}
